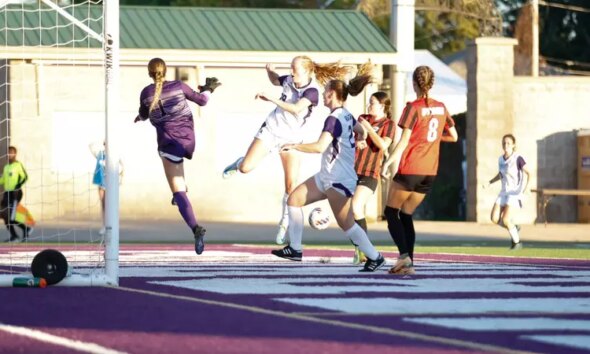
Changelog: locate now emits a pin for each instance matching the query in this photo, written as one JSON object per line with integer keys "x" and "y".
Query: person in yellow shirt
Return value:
{"x": 14, "y": 176}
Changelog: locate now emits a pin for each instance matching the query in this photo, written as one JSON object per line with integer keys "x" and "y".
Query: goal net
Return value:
{"x": 58, "y": 93}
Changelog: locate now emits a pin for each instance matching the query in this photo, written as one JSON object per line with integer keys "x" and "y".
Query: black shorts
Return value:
{"x": 12, "y": 197}
{"x": 368, "y": 182}
{"x": 415, "y": 183}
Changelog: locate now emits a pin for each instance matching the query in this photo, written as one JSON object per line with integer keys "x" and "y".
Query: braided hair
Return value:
{"x": 157, "y": 71}
{"x": 424, "y": 78}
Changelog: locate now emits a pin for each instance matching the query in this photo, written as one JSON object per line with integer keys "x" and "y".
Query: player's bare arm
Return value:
{"x": 293, "y": 108}
{"x": 451, "y": 135}
{"x": 396, "y": 155}
{"x": 272, "y": 75}
{"x": 381, "y": 143}
{"x": 494, "y": 180}
{"x": 317, "y": 147}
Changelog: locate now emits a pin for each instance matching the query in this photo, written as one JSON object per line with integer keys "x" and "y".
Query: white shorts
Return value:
{"x": 170, "y": 157}
{"x": 274, "y": 140}
{"x": 512, "y": 200}
{"x": 344, "y": 187}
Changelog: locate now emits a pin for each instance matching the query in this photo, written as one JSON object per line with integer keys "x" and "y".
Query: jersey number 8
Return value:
{"x": 432, "y": 130}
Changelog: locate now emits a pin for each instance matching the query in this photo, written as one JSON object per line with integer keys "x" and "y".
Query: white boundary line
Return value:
{"x": 61, "y": 341}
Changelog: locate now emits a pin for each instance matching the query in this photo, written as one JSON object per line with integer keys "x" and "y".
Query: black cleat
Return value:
{"x": 516, "y": 246}
{"x": 288, "y": 253}
{"x": 373, "y": 265}
{"x": 199, "y": 233}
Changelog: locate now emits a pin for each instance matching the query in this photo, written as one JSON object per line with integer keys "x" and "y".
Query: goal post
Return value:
{"x": 59, "y": 91}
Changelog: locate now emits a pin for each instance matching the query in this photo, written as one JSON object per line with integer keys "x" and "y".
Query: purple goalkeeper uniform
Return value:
{"x": 172, "y": 116}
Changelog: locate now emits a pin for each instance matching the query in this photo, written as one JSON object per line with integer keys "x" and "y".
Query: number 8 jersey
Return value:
{"x": 427, "y": 123}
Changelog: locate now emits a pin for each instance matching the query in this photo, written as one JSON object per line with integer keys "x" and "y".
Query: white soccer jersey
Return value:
{"x": 283, "y": 124}
{"x": 511, "y": 173}
{"x": 338, "y": 159}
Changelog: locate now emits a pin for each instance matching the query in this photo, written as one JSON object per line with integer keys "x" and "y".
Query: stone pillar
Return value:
{"x": 490, "y": 115}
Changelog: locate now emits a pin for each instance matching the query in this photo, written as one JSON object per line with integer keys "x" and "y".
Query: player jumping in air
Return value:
{"x": 284, "y": 123}
{"x": 165, "y": 104}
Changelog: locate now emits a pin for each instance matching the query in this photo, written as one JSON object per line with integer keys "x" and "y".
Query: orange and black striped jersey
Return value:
{"x": 368, "y": 161}
{"x": 427, "y": 122}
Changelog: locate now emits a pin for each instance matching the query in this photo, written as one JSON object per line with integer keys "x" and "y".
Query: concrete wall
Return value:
{"x": 58, "y": 110}
{"x": 550, "y": 110}
{"x": 543, "y": 113}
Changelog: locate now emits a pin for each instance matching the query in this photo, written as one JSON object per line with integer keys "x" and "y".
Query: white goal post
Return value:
{"x": 15, "y": 259}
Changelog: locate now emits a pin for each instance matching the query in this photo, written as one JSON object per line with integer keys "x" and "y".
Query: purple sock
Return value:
{"x": 186, "y": 209}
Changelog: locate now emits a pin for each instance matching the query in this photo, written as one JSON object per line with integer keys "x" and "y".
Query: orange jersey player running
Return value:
{"x": 414, "y": 161}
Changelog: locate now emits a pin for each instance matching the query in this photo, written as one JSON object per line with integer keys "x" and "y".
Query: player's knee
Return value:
{"x": 495, "y": 218}
{"x": 296, "y": 201}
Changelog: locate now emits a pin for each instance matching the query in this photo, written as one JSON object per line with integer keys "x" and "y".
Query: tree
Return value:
{"x": 564, "y": 32}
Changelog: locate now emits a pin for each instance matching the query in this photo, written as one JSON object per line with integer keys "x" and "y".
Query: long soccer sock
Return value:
{"x": 186, "y": 209}
{"x": 396, "y": 230}
{"x": 285, "y": 216}
{"x": 363, "y": 224}
{"x": 513, "y": 231}
{"x": 359, "y": 237}
{"x": 408, "y": 224}
{"x": 295, "y": 230}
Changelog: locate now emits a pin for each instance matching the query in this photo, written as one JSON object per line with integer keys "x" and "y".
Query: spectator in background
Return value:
{"x": 13, "y": 178}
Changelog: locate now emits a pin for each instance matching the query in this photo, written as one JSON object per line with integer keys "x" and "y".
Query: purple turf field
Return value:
{"x": 239, "y": 299}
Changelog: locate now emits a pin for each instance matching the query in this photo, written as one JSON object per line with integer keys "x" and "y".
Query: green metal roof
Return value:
{"x": 203, "y": 28}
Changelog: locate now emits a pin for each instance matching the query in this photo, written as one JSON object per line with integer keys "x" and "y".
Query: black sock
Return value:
{"x": 396, "y": 229}
{"x": 13, "y": 235}
{"x": 362, "y": 223}
{"x": 408, "y": 224}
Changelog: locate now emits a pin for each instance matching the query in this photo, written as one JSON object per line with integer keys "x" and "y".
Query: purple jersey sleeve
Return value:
{"x": 312, "y": 95}
{"x": 192, "y": 95}
{"x": 333, "y": 126}
{"x": 144, "y": 110}
{"x": 520, "y": 162}
{"x": 282, "y": 79}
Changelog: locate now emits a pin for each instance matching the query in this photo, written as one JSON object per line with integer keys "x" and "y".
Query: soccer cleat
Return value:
{"x": 232, "y": 169}
{"x": 405, "y": 270}
{"x": 199, "y": 233}
{"x": 373, "y": 265}
{"x": 281, "y": 235}
{"x": 516, "y": 246}
{"x": 288, "y": 253}
{"x": 359, "y": 257}
{"x": 102, "y": 231}
{"x": 401, "y": 263}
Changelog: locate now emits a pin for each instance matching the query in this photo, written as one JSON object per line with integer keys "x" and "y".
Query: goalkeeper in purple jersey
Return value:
{"x": 165, "y": 103}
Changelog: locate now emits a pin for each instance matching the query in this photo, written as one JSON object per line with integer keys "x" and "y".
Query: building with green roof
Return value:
{"x": 53, "y": 77}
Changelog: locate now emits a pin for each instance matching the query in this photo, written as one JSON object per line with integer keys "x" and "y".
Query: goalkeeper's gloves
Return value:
{"x": 211, "y": 83}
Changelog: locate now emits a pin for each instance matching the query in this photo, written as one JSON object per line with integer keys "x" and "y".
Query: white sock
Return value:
{"x": 295, "y": 230}
{"x": 358, "y": 236}
{"x": 514, "y": 234}
{"x": 285, "y": 216}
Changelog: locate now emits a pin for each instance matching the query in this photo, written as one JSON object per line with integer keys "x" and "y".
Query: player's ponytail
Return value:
{"x": 363, "y": 77}
{"x": 157, "y": 71}
{"x": 424, "y": 78}
{"x": 323, "y": 72}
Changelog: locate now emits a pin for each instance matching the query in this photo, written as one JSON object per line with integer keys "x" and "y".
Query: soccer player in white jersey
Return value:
{"x": 283, "y": 125}
{"x": 512, "y": 169}
{"x": 337, "y": 178}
